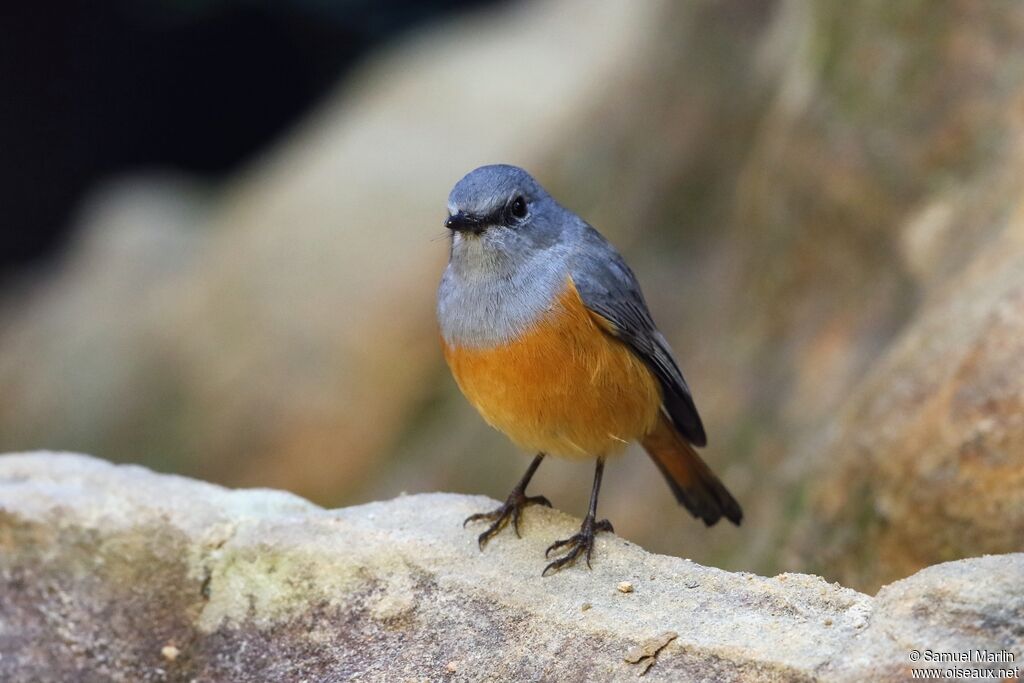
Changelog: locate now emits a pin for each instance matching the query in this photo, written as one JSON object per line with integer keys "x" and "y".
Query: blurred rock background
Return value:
{"x": 822, "y": 201}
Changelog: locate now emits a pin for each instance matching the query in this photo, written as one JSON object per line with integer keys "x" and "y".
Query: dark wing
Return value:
{"x": 609, "y": 289}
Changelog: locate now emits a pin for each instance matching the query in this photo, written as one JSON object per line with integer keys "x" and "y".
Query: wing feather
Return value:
{"x": 610, "y": 289}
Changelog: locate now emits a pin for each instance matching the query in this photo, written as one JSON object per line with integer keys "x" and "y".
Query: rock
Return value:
{"x": 115, "y": 573}
{"x": 821, "y": 200}
{"x": 882, "y": 272}
{"x": 927, "y": 458}
{"x": 920, "y": 456}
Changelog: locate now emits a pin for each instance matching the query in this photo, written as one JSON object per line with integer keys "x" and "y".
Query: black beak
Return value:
{"x": 464, "y": 222}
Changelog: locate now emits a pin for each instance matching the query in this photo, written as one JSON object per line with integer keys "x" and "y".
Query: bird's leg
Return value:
{"x": 583, "y": 542}
{"x": 512, "y": 508}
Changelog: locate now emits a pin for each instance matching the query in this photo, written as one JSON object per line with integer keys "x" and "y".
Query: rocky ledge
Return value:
{"x": 117, "y": 573}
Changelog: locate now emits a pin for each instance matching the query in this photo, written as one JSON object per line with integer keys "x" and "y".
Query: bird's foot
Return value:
{"x": 511, "y": 509}
{"x": 580, "y": 544}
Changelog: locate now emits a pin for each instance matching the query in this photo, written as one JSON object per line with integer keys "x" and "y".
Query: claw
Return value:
{"x": 475, "y": 518}
{"x": 558, "y": 544}
{"x": 512, "y": 509}
{"x": 581, "y": 543}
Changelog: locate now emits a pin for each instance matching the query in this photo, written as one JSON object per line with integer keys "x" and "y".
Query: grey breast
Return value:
{"x": 484, "y": 302}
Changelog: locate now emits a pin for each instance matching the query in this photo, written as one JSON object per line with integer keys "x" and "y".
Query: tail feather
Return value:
{"x": 694, "y": 484}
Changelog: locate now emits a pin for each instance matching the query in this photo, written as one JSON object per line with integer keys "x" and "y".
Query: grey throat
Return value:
{"x": 488, "y": 297}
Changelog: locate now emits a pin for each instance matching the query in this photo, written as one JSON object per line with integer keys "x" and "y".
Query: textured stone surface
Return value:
{"x": 900, "y": 326}
{"x": 822, "y": 201}
{"x": 926, "y": 462}
{"x": 116, "y": 573}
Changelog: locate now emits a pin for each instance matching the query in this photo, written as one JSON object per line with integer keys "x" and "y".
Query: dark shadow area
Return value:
{"x": 92, "y": 89}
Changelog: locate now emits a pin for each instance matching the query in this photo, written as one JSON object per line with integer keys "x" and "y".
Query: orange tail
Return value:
{"x": 696, "y": 487}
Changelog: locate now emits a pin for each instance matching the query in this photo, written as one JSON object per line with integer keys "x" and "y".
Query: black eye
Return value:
{"x": 518, "y": 208}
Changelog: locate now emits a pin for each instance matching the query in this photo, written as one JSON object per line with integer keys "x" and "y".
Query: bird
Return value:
{"x": 547, "y": 334}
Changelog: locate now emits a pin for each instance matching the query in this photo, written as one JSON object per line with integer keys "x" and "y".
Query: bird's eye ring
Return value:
{"x": 518, "y": 208}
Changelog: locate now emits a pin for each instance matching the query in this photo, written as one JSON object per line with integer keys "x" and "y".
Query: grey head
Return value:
{"x": 509, "y": 255}
{"x": 500, "y": 216}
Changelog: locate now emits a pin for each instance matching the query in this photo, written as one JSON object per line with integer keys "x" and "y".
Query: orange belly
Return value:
{"x": 566, "y": 387}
